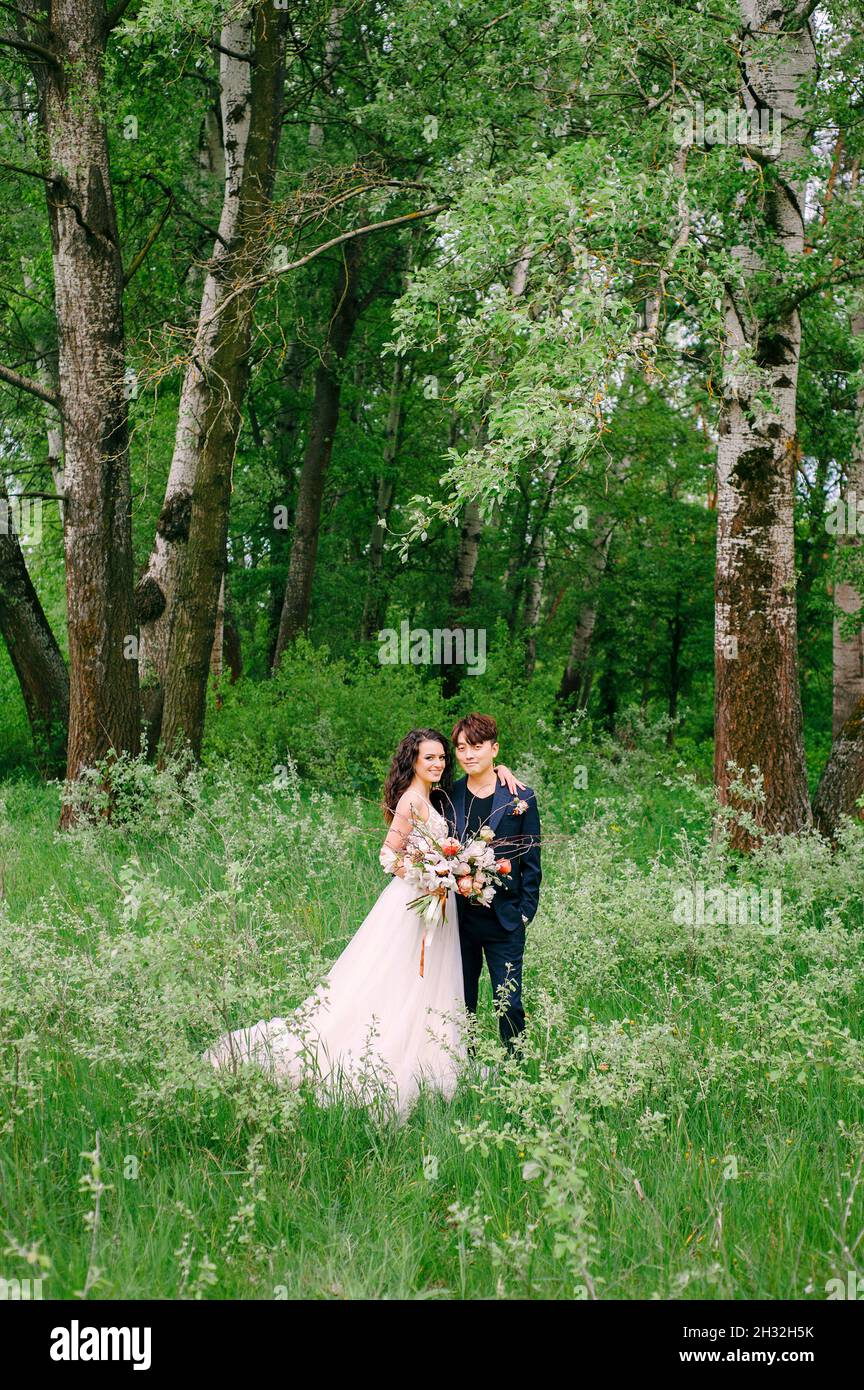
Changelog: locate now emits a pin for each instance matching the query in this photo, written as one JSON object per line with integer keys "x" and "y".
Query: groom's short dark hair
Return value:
{"x": 477, "y": 728}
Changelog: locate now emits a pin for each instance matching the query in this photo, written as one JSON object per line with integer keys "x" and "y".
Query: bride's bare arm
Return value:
{"x": 510, "y": 781}
{"x": 397, "y": 836}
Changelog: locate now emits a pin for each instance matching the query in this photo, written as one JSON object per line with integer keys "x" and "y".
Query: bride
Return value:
{"x": 377, "y": 1030}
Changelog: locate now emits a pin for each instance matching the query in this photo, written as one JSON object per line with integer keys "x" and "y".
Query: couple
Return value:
{"x": 376, "y": 1028}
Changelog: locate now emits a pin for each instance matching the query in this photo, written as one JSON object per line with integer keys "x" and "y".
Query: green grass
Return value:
{"x": 686, "y": 1123}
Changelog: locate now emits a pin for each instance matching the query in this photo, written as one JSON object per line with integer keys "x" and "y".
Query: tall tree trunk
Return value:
{"x": 842, "y": 781}
{"x": 318, "y": 452}
{"x": 88, "y": 284}
{"x": 514, "y": 571}
{"x": 758, "y": 719}
{"x": 849, "y": 651}
{"x": 463, "y": 577}
{"x": 374, "y": 601}
{"x": 178, "y": 593}
{"x": 575, "y": 684}
{"x": 33, "y": 649}
{"x": 332, "y": 45}
{"x": 282, "y": 502}
{"x": 216, "y": 651}
{"x": 537, "y": 566}
{"x": 466, "y": 561}
{"x": 232, "y": 651}
{"x": 676, "y": 638}
{"x": 226, "y": 642}
{"x": 472, "y": 526}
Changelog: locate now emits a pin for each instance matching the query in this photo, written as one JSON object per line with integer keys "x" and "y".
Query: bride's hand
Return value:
{"x": 509, "y": 781}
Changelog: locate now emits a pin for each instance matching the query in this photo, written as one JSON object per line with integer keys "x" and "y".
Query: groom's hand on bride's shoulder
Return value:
{"x": 507, "y": 778}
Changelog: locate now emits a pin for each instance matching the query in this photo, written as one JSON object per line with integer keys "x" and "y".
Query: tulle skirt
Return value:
{"x": 375, "y": 1031}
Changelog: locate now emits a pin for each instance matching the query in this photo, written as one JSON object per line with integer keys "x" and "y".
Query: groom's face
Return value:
{"x": 476, "y": 758}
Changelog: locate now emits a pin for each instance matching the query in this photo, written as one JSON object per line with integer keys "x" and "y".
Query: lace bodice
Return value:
{"x": 436, "y": 825}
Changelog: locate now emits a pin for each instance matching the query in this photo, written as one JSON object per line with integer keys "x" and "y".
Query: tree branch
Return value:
{"x": 31, "y": 173}
{"x": 257, "y": 281}
{"x": 22, "y": 14}
{"x": 114, "y": 16}
{"x": 181, "y": 211}
{"x": 36, "y": 50}
{"x": 23, "y": 383}
{"x": 231, "y": 53}
{"x": 138, "y": 260}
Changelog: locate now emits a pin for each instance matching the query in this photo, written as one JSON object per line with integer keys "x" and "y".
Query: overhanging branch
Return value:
{"x": 23, "y": 383}
{"x": 257, "y": 281}
{"x": 114, "y": 16}
{"x": 33, "y": 50}
{"x": 139, "y": 259}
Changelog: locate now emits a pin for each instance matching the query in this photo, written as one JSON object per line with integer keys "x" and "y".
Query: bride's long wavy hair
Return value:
{"x": 401, "y": 773}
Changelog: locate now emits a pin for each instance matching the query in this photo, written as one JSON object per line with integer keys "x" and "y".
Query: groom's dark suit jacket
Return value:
{"x": 517, "y": 838}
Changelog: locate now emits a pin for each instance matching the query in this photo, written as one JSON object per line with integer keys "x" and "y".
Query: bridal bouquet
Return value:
{"x": 436, "y": 867}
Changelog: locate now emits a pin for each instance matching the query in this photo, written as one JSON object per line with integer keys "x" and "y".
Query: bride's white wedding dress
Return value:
{"x": 375, "y": 1030}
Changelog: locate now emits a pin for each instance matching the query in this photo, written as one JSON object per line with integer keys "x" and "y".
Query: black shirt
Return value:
{"x": 479, "y": 809}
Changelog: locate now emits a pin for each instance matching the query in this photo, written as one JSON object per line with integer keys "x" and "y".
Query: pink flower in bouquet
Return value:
{"x": 450, "y": 848}
{"x": 465, "y": 885}
{"x": 503, "y": 866}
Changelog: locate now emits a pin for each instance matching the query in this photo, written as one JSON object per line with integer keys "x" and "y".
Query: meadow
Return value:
{"x": 686, "y": 1121}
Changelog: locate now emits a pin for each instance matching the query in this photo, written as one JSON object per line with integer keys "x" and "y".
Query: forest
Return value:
{"x": 363, "y": 365}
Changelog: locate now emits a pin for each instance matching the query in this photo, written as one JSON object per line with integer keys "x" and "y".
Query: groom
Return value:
{"x": 498, "y": 931}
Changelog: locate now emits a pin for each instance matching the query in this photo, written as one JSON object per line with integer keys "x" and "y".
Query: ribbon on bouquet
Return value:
{"x": 442, "y": 894}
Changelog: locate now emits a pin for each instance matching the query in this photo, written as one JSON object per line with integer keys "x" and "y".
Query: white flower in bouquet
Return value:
{"x": 435, "y": 868}
{"x": 389, "y": 859}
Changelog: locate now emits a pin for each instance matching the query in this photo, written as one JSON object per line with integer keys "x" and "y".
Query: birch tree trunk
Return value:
{"x": 88, "y": 286}
{"x": 332, "y": 45}
{"x": 758, "y": 719}
{"x": 514, "y": 571}
{"x": 537, "y": 567}
{"x": 466, "y": 561}
{"x": 576, "y": 682}
{"x": 842, "y": 781}
{"x": 179, "y": 590}
{"x": 849, "y": 651}
{"x": 463, "y": 579}
{"x": 472, "y": 525}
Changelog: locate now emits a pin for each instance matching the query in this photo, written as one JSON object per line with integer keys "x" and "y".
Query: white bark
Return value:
{"x": 157, "y": 586}
{"x": 849, "y": 651}
{"x": 757, "y": 700}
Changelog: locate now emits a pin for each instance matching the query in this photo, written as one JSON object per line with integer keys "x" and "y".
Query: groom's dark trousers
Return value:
{"x": 504, "y": 951}
{"x": 498, "y": 933}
